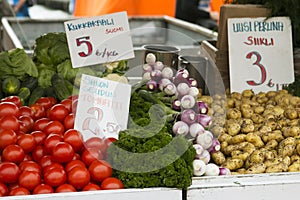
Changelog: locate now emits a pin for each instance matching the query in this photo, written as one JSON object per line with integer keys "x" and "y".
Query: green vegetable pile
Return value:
{"x": 147, "y": 154}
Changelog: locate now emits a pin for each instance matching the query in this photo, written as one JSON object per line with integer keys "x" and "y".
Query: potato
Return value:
{"x": 291, "y": 113}
{"x": 254, "y": 139}
{"x": 298, "y": 149}
{"x": 218, "y": 157}
{"x": 257, "y": 118}
{"x": 274, "y": 161}
{"x": 259, "y": 109}
{"x": 294, "y": 167}
{"x": 237, "y": 139}
{"x": 257, "y": 156}
{"x": 291, "y": 131}
{"x": 247, "y": 126}
{"x": 234, "y": 113}
{"x": 295, "y": 158}
{"x": 247, "y": 112}
{"x": 233, "y": 128}
{"x": 249, "y": 147}
{"x": 257, "y": 168}
{"x": 272, "y": 144}
{"x": 271, "y": 94}
{"x": 236, "y": 95}
{"x": 224, "y": 137}
{"x": 247, "y": 93}
{"x": 269, "y": 155}
{"x": 233, "y": 164}
{"x": 280, "y": 167}
{"x": 274, "y": 135}
{"x": 230, "y": 103}
{"x": 293, "y": 122}
{"x": 272, "y": 123}
{"x": 240, "y": 155}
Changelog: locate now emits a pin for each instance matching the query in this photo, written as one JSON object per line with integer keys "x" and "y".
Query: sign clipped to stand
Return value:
{"x": 99, "y": 39}
{"x": 260, "y": 53}
{"x": 103, "y": 107}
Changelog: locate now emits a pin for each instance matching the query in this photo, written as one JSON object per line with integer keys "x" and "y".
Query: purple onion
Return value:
{"x": 205, "y": 139}
{"x": 202, "y": 107}
{"x": 158, "y": 65}
{"x": 162, "y": 83}
{"x": 204, "y": 120}
{"x": 196, "y": 129}
{"x": 170, "y": 89}
{"x": 224, "y": 171}
{"x": 192, "y": 82}
{"x": 188, "y": 116}
{"x": 147, "y": 76}
{"x": 151, "y": 85}
{"x": 199, "y": 150}
{"x": 147, "y": 68}
{"x": 187, "y": 101}
{"x": 180, "y": 78}
{"x": 156, "y": 75}
{"x": 176, "y": 105}
{"x": 183, "y": 89}
{"x": 167, "y": 72}
{"x": 184, "y": 71}
{"x": 216, "y": 146}
{"x": 180, "y": 128}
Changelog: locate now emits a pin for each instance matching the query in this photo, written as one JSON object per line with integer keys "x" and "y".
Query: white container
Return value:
{"x": 271, "y": 186}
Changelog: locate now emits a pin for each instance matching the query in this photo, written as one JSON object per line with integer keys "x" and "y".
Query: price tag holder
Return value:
{"x": 103, "y": 107}
{"x": 260, "y": 53}
{"x": 100, "y": 39}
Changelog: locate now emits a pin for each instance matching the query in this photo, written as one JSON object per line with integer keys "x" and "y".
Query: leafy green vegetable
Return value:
{"x": 66, "y": 70}
{"x": 44, "y": 79}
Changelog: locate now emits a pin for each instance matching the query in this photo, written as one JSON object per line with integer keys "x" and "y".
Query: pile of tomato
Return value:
{"x": 41, "y": 152}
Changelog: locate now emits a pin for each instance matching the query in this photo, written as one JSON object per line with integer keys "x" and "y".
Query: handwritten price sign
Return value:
{"x": 260, "y": 53}
{"x": 100, "y": 39}
{"x": 103, "y": 107}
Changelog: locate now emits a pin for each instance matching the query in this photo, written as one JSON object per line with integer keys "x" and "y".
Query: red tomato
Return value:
{"x": 89, "y": 155}
{"x": 30, "y": 165}
{"x": 53, "y": 165}
{"x": 74, "y": 105}
{"x": 13, "y": 153}
{"x": 73, "y": 97}
{"x": 76, "y": 156}
{"x": 3, "y": 190}
{"x": 40, "y": 124}
{"x": 7, "y": 137}
{"x": 19, "y": 191}
{"x": 111, "y": 183}
{"x": 74, "y": 138}
{"x": 9, "y": 172}
{"x": 109, "y": 141}
{"x": 38, "y": 111}
{"x": 91, "y": 187}
{"x": 69, "y": 121}
{"x": 54, "y": 127}
{"x": 99, "y": 170}
{"x": 29, "y": 179}
{"x": 51, "y": 141}
{"x": 27, "y": 157}
{"x": 67, "y": 103}
{"x": 26, "y": 123}
{"x": 46, "y": 102}
{"x": 27, "y": 142}
{"x": 96, "y": 143}
{"x": 55, "y": 177}
{"x": 38, "y": 153}
{"x": 65, "y": 188}
{"x": 9, "y": 122}
{"x": 26, "y": 111}
{"x": 13, "y": 99}
{"x": 43, "y": 189}
{"x": 79, "y": 177}
{"x": 39, "y": 137}
{"x": 74, "y": 163}
{"x": 45, "y": 161}
{"x": 62, "y": 152}
{"x": 9, "y": 108}
{"x": 58, "y": 112}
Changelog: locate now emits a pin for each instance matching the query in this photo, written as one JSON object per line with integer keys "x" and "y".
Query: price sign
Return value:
{"x": 100, "y": 39}
{"x": 103, "y": 107}
{"x": 260, "y": 53}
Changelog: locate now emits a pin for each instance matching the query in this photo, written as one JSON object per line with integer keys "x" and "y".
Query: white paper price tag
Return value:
{"x": 103, "y": 107}
{"x": 260, "y": 53}
{"x": 100, "y": 39}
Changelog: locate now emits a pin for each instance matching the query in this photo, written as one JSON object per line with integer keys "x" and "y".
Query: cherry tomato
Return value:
{"x": 89, "y": 155}
{"x": 13, "y": 153}
{"x": 26, "y": 111}
{"x": 39, "y": 137}
{"x": 9, "y": 172}
{"x": 99, "y": 170}
{"x": 65, "y": 188}
{"x": 54, "y": 127}
{"x": 19, "y": 191}
{"x": 51, "y": 141}
{"x": 38, "y": 153}
{"x": 74, "y": 163}
{"x": 111, "y": 183}
{"x": 67, "y": 103}
{"x": 40, "y": 124}
{"x": 69, "y": 121}
{"x": 96, "y": 143}
{"x": 45, "y": 161}
{"x": 26, "y": 142}
{"x": 7, "y": 137}
{"x": 46, "y": 102}
{"x": 43, "y": 189}
{"x": 30, "y": 165}
{"x": 73, "y": 97}
{"x": 27, "y": 157}
{"x": 9, "y": 122}
{"x": 58, "y": 112}
{"x": 3, "y": 190}
{"x": 53, "y": 165}
{"x": 74, "y": 138}
{"x": 9, "y": 108}
{"x": 79, "y": 177}
{"x": 74, "y": 105}
{"x": 91, "y": 187}
{"x": 109, "y": 141}
{"x": 55, "y": 177}
{"x": 62, "y": 152}
{"x": 29, "y": 179}
{"x": 38, "y": 111}
{"x": 26, "y": 123}
{"x": 76, "y": 156}
{"x": 13, "y": 99}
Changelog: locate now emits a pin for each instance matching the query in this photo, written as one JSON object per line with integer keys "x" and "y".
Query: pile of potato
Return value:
{"x": 259, "y": 133}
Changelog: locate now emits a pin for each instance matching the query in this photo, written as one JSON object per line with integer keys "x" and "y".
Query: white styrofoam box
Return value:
{"x": 271, "y": 186}
{"x": 121, "y": 194}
